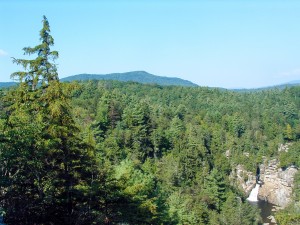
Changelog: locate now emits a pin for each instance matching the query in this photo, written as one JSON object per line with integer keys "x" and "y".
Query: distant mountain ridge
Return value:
{"x": 147, "y": 78}
{"x": 294, "y": 82}
{"x": 279, "y": 86}
{"x": 135, "y": 76}
{"x": 7, "y": 84}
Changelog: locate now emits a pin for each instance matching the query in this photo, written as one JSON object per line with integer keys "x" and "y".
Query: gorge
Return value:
{"x": 276, "y": 183}
{"x": 266, "y": 208}
{"x": 270, "y": 189}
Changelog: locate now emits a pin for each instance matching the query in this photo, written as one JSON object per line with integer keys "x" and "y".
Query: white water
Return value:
{"x": 253, "y": 195}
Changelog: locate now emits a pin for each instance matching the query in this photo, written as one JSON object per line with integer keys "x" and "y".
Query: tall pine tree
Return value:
{"x": 41, "y": 69}
{"x": 49, "y": 170}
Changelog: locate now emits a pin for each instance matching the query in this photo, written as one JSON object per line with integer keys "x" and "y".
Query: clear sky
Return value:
{"x": 220, "y": 43}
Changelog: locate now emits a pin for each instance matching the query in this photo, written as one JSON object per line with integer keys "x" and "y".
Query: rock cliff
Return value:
{"x": 277, "y": 183}
{"x": 243, "y": 179}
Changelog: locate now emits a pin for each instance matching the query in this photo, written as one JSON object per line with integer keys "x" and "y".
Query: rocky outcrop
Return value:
{"x": 277, "y": 183}
{"x": 243, "y": 179}
{"x": 284, "y": 147}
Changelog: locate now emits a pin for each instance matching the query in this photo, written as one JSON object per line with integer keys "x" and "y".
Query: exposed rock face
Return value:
{"x": 277, "y": 184}
{"x": 284, "y": 147}
{"x": 244, "y": 179}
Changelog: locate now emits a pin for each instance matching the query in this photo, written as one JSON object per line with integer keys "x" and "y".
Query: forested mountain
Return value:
{"x": 136, "y": 76}
{"x": 111, "y": 152}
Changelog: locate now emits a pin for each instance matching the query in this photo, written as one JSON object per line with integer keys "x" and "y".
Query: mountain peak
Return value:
{"x": 135, "y": 76}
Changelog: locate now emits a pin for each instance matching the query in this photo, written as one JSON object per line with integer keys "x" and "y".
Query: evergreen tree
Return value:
{"x": 40, "y": 69}
{"x": 49, "y": 170}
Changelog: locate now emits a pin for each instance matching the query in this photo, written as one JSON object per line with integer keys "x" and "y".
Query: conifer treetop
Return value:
{"x": 42, "y": 69}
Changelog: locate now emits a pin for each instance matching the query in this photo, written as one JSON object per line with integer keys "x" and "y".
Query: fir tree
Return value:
{"x": 49, "y": 169}
{"x": 40, "y": 69}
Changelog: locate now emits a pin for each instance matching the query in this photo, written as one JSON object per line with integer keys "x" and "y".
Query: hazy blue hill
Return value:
{"x": 279, "y": 86}
{"x": 136, "y": 76}
{"x": 7, "y": 84}
{"x": 294, "y": 82}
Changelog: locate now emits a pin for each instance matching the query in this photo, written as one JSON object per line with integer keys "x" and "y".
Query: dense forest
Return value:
{"x": 110, "y": 152}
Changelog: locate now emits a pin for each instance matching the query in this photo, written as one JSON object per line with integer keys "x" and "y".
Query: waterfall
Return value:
{"x": 253, "y": 195}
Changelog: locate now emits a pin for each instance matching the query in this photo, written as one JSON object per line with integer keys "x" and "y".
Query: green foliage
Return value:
{"x": 288, "y": 133}
{"x": 138, "y": 189}
{"x": 291, "y": 157}
{"x": 40, "y": 69}
{"x": 48, "y": 171}
{"x": 184, "y": 133}
{"x": 214, "y": 190}
{"x": 236, "y": 213}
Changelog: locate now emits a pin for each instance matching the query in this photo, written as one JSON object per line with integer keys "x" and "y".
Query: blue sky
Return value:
{"x": 223, "y": 43}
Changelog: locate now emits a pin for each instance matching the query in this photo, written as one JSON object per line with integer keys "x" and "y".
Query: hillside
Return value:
{"x": 136, "y": 76}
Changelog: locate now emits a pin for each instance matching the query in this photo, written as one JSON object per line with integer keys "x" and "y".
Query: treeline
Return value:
{"x": 107, "y": 152}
